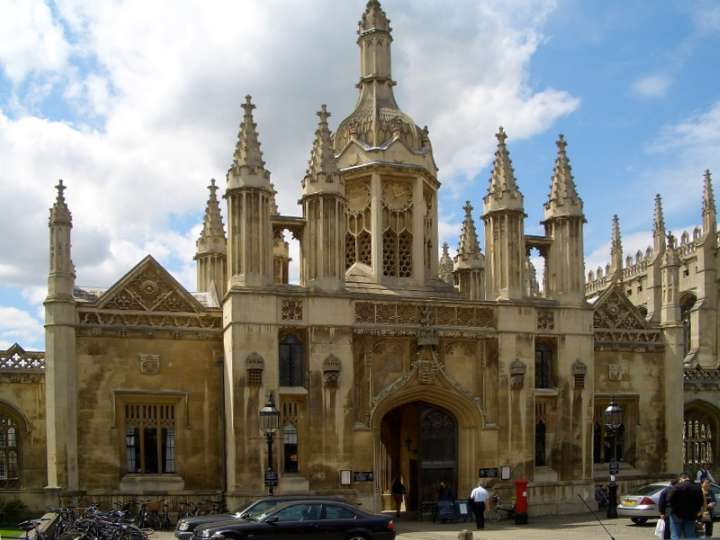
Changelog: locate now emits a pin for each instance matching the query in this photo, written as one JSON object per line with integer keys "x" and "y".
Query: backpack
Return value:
{"x": 703, "y": 475}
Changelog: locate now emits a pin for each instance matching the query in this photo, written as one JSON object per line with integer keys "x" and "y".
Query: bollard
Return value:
{"x": 465, "y": 535}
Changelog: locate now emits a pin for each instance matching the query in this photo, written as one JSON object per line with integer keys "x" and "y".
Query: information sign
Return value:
{"x": 488, "y": 473}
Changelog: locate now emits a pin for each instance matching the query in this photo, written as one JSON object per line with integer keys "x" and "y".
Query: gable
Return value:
{"x": 149, "y": 287}
{"x": 614, "y": 310}
{"x": 619, "y": 325}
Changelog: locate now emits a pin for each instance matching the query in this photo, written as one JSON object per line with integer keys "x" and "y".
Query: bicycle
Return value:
{"x": 499, "y": 511}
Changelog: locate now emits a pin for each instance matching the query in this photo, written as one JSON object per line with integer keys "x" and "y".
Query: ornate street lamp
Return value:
{"x": 269, "y": 423}
{"x": 613, "y": 419}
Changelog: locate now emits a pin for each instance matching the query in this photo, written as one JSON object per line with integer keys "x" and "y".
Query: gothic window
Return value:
{"x": 292, "y": 361}
{"x": 149, "y": 437}
{"x": 698, "y": 439}
{"x": 357, "y": 239}
{"x": 290, "y": 449}
{"x": 540, "y": 440}
{"x": 686, "y": 306}
{"x": 543, "y": 365}
{"x": 9, "y": 450}
{"x": 389, "y": 253}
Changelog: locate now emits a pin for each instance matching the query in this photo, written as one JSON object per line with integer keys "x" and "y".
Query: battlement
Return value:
{"x": 634, "y": 267}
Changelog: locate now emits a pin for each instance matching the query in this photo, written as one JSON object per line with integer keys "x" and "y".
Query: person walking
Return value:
{"x": 707, "y": 515}
{"x": 665, "y": 509}
{"x": 398, "y": 492}
{"x": 686, "y": 503}
{"x": 704, "y": 474}
{"x": 478, "y": 498}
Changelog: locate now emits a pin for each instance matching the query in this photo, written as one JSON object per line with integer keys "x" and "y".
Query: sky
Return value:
{"x": 136, "y": 105}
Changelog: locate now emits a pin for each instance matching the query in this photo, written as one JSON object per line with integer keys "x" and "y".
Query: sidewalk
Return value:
{"x": 580, "y": 526}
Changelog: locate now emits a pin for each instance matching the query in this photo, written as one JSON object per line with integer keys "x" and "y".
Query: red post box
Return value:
{"x": 521, "y": 502}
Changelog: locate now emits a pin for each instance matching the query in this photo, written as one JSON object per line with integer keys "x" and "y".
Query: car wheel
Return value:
{"x": 639, "y": 521}
{"x": 357, "y": 536}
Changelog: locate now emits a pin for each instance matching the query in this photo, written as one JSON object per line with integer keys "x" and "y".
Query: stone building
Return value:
{"x": 384, "y": 361}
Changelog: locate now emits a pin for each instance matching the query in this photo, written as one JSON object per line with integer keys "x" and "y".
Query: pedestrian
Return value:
{"x": 398, "y": 492}
{"x": 479, "y": 497}
{"x": 707, "y": 515}
{"x": 704, "y": 474}
{"x": 686, "y": 503}
{"x": 444, "y": 493}
{"x": 665, "y": 509}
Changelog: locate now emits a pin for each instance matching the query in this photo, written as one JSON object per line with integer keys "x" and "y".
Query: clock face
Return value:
{"x": 358, "y": 197}
{"x": 397, "y": 196}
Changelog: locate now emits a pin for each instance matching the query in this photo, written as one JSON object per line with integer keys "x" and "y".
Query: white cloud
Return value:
{"x": 651, "y": 86}
{"x": 19, "y": 326}
{"x": 31, "y": 40}
{"x": 683, "y": 151}
{"x": 159, "y": 107}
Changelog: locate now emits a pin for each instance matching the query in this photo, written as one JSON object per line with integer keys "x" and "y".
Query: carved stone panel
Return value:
{"x": 545, "y": 319}
{"x": 149, "y": 364}
{"x": 291, "y": 309}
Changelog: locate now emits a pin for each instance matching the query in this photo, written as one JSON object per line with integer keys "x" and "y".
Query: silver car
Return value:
{"x": 641, "y": 504}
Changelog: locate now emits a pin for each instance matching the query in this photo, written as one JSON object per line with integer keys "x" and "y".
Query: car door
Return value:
{"x": 294, "y": 522}
{"x": 337, "y": 520}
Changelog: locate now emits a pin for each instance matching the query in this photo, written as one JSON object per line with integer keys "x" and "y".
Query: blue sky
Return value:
{"x": 136, "y": 106}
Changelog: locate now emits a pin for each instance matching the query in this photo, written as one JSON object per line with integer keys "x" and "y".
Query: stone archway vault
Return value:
{"x": 469, "y": 419}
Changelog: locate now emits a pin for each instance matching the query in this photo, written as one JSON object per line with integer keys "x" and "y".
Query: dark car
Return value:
{"x": 185, "y": 527}
{"x": 330, "y": 520}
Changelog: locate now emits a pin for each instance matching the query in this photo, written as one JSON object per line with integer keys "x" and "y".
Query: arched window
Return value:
{"x": 10, "y": 466}
{"x": 686, "y": 305}
{"x": 543, "y": 365}
{"x": 290, "y": 449}
{"x": 292, "y": 361}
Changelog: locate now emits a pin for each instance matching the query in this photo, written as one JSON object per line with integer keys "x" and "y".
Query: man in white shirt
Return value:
{"x": 478, "y": 498}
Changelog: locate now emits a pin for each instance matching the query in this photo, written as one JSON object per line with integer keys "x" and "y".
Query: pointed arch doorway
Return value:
{"x": 419, "y": 444}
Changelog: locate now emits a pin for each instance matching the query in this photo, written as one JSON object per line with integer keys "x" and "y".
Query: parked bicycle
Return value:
{"x": 498, "y": 510}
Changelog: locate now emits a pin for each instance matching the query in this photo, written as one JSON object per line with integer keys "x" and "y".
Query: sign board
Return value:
{"x": 362, "y": 476}
{"x": 488, "y": 473}
{"x": 462, "y": 508}
{"x": 345, "y": 477}
{"x": 614, "y": 467}
{"x": 271, "y": 478}
{"x": 505, "y": 472}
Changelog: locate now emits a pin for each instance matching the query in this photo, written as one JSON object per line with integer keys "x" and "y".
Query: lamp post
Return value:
{"x": 613, "y": 418}
{"x": 269, "y": 423}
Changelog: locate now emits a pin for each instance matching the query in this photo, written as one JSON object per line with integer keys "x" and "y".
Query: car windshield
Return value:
{"x": 647, "y": 490}
{"x": 259, "y": 510}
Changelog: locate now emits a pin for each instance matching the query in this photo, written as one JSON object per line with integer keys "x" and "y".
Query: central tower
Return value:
{"x": 389, "y": 172}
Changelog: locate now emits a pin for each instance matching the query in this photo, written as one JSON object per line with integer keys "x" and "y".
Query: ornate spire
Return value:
{"x": 658, "y": 227}
{"x": 60, "y": 213}
{"x": 469, "y": 254}
{"x": 248, "y": 167}
{"x": 374, "y": 18}
{"x": 212, "y": 237}
{"x": 503, "y": 192}
{"x": 708, "y": 211}
{"x": 616, "y": 250}
{"x": 445, "y": 267}
{"x": 563, "y": 199}
{"x": 322, "y": 173}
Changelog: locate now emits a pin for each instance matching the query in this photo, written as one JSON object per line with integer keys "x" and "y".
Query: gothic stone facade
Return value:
{"x": 384, "y": 362}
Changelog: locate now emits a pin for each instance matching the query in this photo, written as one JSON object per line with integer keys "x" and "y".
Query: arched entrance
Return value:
{"x": 419, "y": 444}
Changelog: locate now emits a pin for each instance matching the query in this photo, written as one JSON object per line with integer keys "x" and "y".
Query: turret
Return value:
{"x": 703, "y": 316}
{"x": 616, "y": 250}
{"x": 390, "y": 175}
{"x": 670, "y": 265}
{"x": 61, "y": 355}
{"x": 655, "y": 262}
{"x": 504, "y": 219}
{"x": 211, "y": 249}
{"x": 250, "y": 199}
{"x": 445, "y": 266}
{"x": 563, "y": 222}
{"x": 469, "y": 267}
{"x": 324, "y": 211}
